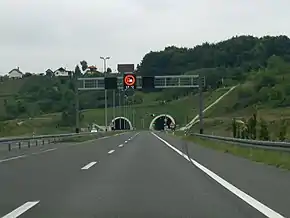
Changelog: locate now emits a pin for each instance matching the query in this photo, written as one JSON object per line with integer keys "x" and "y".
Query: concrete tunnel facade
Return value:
{"x": 121, "y": 123}
{"x": 157, "y": 122}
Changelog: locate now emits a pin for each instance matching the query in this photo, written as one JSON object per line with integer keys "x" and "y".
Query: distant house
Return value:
{"x": 61, "y": 72}
{"x": 15, "y": 74}
{"x": 92, "y": 69}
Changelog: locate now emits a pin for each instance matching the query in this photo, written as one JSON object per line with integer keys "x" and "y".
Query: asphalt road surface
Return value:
{"x": 138, "y": 175}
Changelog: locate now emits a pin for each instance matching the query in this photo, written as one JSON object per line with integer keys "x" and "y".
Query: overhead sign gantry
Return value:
{"x": 139, "y": 82}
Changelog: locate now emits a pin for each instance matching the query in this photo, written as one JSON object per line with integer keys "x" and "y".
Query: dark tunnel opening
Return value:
{"x": 121, "y": 124}
{"x": 160, "y": 123}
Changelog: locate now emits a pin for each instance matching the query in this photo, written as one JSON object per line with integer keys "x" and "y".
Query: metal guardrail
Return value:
{"x": 41, "y": 139}
{"x": 274, "y": 145}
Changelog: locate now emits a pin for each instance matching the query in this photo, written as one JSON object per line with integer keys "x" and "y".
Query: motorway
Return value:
{"x": 138, "y": 174}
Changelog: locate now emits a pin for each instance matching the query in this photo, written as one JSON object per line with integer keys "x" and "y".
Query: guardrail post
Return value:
{"x": 42, "y": 141}
{"x": 9, "y": 147}
{"x": 48, "y": 141}
{"x": 19, "y": 145}
{"x": 29, "y": 144}
{"x": 36, "y": 142}
{"x": 54, "y": 140}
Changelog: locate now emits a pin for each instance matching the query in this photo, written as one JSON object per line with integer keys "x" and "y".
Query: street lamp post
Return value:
{"x": 106, "y": 103}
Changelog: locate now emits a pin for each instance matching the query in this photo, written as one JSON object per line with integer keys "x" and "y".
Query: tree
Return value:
{"x": 264, "y": 132}
{"x": 27, "y": 74}
{"x": 240, "y": 54}
{"x": 283, "y": 125}
{"x": 49, "y": 73}
{"x": 77, "y": 72}
{"x": 252, "y": 126}
{"x": 234, "y": 128}
{"x": 11, "y": 109}
{"x": 109, "y": 70}
{"x": 68, "y": 117}
{"x": 238, "y": 131}
{"x": 84, "y": 65}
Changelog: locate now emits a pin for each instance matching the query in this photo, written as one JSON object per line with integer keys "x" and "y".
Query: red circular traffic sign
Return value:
{"x": 129, "y": 80}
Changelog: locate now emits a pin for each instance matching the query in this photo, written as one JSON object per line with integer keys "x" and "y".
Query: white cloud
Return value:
{"x": 36, "y": 35}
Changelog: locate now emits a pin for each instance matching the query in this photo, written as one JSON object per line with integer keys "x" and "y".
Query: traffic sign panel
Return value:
{"x": 125, "y": 68}
{"x": 111, "y": 83}
{"x": 148, "y": 82}
{"x": 129, "y": 81}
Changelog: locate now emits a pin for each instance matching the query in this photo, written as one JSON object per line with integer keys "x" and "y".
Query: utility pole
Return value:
{"x": 120, "y": 109}
{"x": 114, "y": 104}
{"x": 124, "y": 105}
{"x": 133, "y": 109}
{"x": 133, "y": 112}
{"x": 106, "y": 100}
{"x": 77, "y": 103}
{"x": 200, "y": 87}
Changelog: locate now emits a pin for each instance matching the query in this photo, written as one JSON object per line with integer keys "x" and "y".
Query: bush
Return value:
{"x": 264, "y": 131}
{"x": 282, "y": 130}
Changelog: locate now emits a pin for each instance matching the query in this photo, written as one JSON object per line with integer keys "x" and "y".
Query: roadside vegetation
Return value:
{"x": 45, "y": 103}
{"x": 279, "y": 159}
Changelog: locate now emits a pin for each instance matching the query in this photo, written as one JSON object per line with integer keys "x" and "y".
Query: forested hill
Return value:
{"x": 242, "y": 53}
{"x": 244, "y": 58}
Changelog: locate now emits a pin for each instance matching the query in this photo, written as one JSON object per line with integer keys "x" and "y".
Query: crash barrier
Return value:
{"x": 19, "y": 142}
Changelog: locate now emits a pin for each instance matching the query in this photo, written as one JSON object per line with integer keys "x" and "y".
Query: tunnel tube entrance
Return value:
{"x": 121, "y": 123}
{"x": 161, "y": 122}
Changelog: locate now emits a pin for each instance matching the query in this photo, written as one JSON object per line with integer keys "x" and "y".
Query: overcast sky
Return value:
{"x": 40, "y": 34}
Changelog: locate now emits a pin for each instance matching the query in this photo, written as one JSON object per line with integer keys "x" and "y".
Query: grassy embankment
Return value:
{"x": 280, "y": 159}
{"x": 183, "y": 110}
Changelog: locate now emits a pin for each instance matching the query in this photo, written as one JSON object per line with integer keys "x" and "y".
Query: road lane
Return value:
{"x": 143, "y": 179}
{"x": 32, "y": 177}
{"x": 266, "y": 183}
{"x": 33, "y": 150}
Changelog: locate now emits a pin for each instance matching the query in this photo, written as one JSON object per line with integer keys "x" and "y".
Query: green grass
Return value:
{"x": 183, "y": 110}
{"x": 23, "y": 127}
{"x": 278, "y": 159}
{"x": 218, "y": 120}
{"x": 8, "y": 89}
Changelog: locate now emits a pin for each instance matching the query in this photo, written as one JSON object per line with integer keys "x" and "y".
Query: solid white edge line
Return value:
{"x": 112, "y": 151}
{"x": 12, "y": 158}
{"x": 242, "y": 195}
{"x": 22, "y": 209}
{"x": 88, "y": 166}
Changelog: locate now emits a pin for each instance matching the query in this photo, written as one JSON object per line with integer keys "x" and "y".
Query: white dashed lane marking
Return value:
{"x": 22, "y": 209}
{"x": 12, "y": 158}
{"x": 112, "y": 151}
{"x": 88, "y": 166}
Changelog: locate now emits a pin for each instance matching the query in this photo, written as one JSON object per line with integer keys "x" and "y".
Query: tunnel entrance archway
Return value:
{"x": 121, "y": 123}
{"x": 158, "y": 122}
